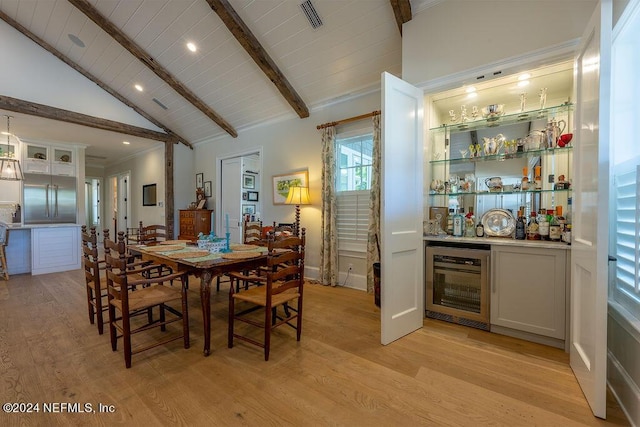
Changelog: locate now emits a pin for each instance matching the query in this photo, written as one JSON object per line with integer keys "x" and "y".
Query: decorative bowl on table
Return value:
{"x": 217, "y": 245}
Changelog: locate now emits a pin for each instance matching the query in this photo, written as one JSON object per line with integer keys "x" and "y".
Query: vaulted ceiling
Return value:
{"x": 255, "y": 61}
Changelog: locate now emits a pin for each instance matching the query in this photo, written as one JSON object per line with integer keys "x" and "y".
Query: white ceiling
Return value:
{"x": 359, "y": 40}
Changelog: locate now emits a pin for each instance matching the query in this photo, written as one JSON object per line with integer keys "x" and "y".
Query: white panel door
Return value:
{"x": 589, "y": 250}
{"x": 401, "y": 209}
{"x": 231, "y": 199}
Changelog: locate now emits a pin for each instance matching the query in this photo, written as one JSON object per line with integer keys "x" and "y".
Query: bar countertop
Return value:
{"x": 501, "y": 241}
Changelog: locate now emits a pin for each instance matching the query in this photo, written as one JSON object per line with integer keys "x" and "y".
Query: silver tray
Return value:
{"x": 498, "y": 223}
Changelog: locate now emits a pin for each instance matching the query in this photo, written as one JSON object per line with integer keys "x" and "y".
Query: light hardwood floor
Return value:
{"x": 339, "y": 374}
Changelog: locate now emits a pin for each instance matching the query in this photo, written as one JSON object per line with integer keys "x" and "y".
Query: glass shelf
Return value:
{"x": 500, "y": 193}
{"x": 503, "y": 156}
{"x": 504, "y": 120}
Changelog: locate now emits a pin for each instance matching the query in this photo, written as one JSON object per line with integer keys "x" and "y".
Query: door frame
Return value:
{"x": 119, "y": 200}
{"x": 219, "y": 159}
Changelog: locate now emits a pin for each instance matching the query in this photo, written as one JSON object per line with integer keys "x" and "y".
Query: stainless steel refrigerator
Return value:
{"x": 49, "y": 199}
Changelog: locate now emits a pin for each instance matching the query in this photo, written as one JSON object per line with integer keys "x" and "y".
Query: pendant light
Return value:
{"x": 10, "y": 169}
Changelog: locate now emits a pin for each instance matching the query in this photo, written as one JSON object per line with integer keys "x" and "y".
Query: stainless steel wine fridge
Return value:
{"x": 457, "y": 285}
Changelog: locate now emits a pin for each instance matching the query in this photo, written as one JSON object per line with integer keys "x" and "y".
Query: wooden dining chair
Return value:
{"x": 129, "y": 296}
{"x": 94, "y": 265}
{"x": 251, "y": 232}
{"x": 251, "y": 235}
{"x": 4, "y": 242}
{"x": 96, "y": 283}
{"x": 282, "y": 287}
{"x": 151, "y": 234}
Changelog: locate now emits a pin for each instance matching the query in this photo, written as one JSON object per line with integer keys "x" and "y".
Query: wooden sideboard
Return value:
{"x": 194, "y": 222}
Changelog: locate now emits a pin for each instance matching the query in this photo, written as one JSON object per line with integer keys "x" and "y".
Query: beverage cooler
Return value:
{"x": 457, "y": 285}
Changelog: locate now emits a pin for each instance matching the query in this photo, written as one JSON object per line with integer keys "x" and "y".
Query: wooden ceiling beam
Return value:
{"x": 173, "y": 135}
{"x": 250, "y": 43}
{"x": 53, "y": 113}
{"x": 402, "y": 11}
{"x": 92, "y": 13}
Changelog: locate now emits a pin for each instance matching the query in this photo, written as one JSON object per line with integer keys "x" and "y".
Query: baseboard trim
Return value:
{"x": 624, "y": 390}
{"x": 354, "y": 281}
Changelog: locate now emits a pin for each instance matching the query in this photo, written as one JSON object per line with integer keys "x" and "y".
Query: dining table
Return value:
{"x": 188, "y": 258}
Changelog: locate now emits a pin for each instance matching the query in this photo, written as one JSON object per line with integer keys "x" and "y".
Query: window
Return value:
{"x": 626, "y": 290}
{"x": 354, "y": 156}
{"x": 625, "y": 226}
{"x": 353, "y": 182}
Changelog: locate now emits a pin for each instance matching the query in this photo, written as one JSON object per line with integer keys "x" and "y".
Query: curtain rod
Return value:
{"x": 350, "y": 119}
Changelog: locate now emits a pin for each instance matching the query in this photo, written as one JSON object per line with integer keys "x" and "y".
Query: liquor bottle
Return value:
{"x": 554, "y": 228}
{"x": 532, "y": 228}
{"x": 524, "y": 183}
{"x": 479, "y": 229}
{"x": 450, "y": 222}
{"x": 562, "y": 221}
{"x": 521, "y": 233}
{"x": 569, "y": 213}
{"x": 543, "y": 224}
{"x": 458, "y": 224}
{"x": 537, "y": 180}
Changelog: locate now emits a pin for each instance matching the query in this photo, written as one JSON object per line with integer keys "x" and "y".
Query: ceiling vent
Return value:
{"x": 164, "y": 107}
{"x": 90, "y": 156}
{"x": 311, "y": 14}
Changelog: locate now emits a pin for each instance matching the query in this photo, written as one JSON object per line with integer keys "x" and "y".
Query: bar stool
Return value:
{"x": 4, "y": 241}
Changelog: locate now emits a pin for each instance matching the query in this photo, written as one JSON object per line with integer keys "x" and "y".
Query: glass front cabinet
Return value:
{"x": 500, "y": 156}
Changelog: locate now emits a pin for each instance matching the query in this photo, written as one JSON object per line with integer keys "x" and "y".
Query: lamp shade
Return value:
{"x": 10, "y": 169}
{"x": 298, "y": 196}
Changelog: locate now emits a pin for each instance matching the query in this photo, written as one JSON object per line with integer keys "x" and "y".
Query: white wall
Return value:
{"x": 288, "y": 145}
{"x": 147, "y": 168}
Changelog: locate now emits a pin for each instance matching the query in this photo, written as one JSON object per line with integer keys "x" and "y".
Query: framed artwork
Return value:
{"x": 248, "y": 181}
{"x": 252, "y": 196}
{"x": 207, "y": 188}
{"x": 199, "y": 180}
{"x": 245, "y": 196}
{"x": 281, "y": 184}
{"x": 248, "y": 209}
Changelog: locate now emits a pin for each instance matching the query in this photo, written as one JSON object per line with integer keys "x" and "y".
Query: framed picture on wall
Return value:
{"x": 281, "y": 184}
{"x": 252, "y": 196}
{"x": 207, "y": 188}
{"x": 248, "y": 181}
{"x": 199, "y": 180}
{"x": 248, "y": 209}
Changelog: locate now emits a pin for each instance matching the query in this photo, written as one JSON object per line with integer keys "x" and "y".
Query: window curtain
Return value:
{"x": 329, "y": 241}
{"x": 373, "y": 241}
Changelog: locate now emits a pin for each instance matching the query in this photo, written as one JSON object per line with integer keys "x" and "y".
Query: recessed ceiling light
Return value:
{"x": 75, "y": 40}
{"x": 523, "y": 83}
{"x": 126, "y": 142}
{"x": 139, "y": 88}
{"x": 524, "y": 76}
{"x": 471, "y": 89}
{"x": 191, "y": 47}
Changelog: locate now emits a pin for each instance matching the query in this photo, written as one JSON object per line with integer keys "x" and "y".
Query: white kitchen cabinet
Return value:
{"x": 54, "y": 249}
{"x": 46, "y": 159}
{"x": 528, "y": 293}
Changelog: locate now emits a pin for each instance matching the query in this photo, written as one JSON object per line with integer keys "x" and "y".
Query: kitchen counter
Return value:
{"x": 498, "y": 241}
{"x": 20, "y": 226}
{"x": 43, "y": 248}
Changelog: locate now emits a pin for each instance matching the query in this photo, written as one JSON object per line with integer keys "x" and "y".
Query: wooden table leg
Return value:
{"x": 205, "y": 299}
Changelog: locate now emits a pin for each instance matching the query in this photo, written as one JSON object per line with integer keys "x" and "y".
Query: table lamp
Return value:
{"x": 298, "y": 196}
